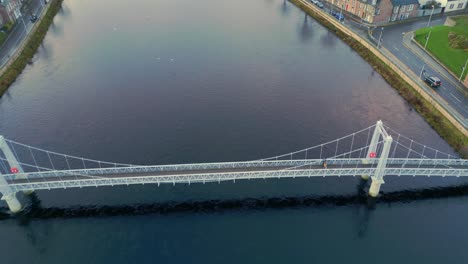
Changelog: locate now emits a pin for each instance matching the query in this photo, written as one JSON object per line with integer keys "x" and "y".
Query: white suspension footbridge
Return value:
{"x": 369, "y": 152}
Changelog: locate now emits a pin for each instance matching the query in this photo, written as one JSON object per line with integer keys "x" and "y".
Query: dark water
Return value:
{"x": 156, "y": 82}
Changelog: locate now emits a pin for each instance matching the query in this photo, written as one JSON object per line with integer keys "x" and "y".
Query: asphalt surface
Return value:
{"x": 20, "y": 31}
{"x": 451, "y": 91}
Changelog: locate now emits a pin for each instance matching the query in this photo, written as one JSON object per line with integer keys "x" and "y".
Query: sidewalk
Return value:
{"x": 20, "y": 33}
{"x": 365, "y": 31}
{"x": 411, "y": 44}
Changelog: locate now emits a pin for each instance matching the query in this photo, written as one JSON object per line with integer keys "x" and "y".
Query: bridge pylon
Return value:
{"x": 379, "y": 130}
{"x": 377, "y": 178}
{"x": 9, "y": 196}
{"x": 15, "y": 167}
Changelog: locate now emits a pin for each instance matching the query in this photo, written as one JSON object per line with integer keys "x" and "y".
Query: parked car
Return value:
{"x": 432, "y": 81}
{"x": 319, "y": 4}
{"x": 338, "y": 16}
{"x": 314, "y": 1}
{"x": 33, "y": 18}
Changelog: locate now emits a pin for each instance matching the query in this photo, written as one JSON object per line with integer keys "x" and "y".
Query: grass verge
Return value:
{"x": 435, "y": 119}
{"x": 439, "y": 44}
{"x": 26, "y": 54}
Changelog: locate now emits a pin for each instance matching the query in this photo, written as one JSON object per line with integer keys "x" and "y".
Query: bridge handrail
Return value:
{"x": 228, "y": 176}
{"x": 232, "y": 165}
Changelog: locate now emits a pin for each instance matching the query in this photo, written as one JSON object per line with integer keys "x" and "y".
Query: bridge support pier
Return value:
{"x": 375, "y": 188}
{"x": 13, "y": 203}
{"x": 12, "y": 161}
{"x": 9, "y": 196}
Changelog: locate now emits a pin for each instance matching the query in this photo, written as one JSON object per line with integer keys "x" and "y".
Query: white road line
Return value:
{"x": 455, "y": 97}
{"x": 395, "y": 48}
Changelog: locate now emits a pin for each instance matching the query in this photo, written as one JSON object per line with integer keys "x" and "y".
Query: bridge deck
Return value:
{"x": 212, "y": 174}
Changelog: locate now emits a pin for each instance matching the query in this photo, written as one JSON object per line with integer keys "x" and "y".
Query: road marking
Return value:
{"x": 429, "y": 63}
{"x": 455, "y": 97}
{"x": 395, "y": 48}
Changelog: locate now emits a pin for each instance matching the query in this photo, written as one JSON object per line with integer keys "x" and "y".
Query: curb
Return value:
{"x": 440, "y": 107}
{"x": 438, "y": 62}
{"x": 25, "y": 40}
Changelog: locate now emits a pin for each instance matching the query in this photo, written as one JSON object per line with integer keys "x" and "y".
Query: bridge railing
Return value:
{"x": 230, "y": 176}
{"x": 248, "y": 165}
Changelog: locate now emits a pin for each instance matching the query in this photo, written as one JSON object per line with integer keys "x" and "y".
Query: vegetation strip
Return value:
{"x": 14, "y": 68}
{"x": 435, "y": 119}
{"x": 447, "y": 44}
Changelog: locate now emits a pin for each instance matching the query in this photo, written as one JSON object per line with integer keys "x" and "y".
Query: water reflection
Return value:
{"x": 64, "y": 11}
{"x": 305, "y": 31}
{"x": 363, "y": 203}
{"x": 328, "y": 40}
{"x": 57, "y": 30}
{"x": 44, "y": 51}
{"x": 284, "y": 8}
{"x": 363, "y": 212}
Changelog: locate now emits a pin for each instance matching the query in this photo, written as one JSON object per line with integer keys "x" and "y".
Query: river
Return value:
{"x": 159, "y": 82}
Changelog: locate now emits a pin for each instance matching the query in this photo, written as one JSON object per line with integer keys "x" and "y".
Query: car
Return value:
{"x": 33, "y": 18}
{"x": 433, "y": 81}
{"x": 314, "y": 1}
{"x": 319, "y": 4}
{"x": 338, "y": 16}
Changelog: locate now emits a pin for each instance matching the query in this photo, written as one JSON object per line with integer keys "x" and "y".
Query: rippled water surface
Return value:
{"x": 158, "y": 82}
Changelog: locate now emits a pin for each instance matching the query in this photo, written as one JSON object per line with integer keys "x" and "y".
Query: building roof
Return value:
{"x": 404, "y": 2}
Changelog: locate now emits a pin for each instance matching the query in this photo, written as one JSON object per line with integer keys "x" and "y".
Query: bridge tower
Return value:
{"x": 8, "y": 195}
{"x": 377, "y": 178}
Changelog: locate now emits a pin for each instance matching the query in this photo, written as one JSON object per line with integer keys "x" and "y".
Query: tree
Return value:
{"x": 429, "y": 4}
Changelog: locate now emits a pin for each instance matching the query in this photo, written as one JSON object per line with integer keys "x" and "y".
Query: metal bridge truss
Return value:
{"x": 199, "y": 173}
{"x": 374, "y": 151}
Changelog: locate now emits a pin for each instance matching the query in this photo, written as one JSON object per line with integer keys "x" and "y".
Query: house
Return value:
{"x": 403, "y": 9}
{"x": 364, "y": 9}
{"x": 379, "y": 11}
{"x": 452, "y": 5}
{"x": 9, "y": 10}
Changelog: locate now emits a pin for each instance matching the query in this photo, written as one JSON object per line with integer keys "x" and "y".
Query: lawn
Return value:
{"x": 439, "y": 44}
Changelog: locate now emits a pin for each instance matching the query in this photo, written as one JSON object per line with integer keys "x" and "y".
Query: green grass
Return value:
{"x": 438, "y": 44}
{"x": 3, "y": 37}
{"x": 433, "y": 117}
{"x": 27, "y": 53}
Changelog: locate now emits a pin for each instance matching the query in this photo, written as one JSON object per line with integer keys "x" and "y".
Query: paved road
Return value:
{"x": 400, "y": 45}
{"x": 451, "y": 92}
{"x": 20, "y": 31}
